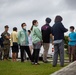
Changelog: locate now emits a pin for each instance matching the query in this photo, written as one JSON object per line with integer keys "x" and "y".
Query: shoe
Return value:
{"x": 45, "y": 61}
{"x": 32, "y": 63}
{"x": 37, "y": 64}
{"x": 54, "y": 65}
{"x": 22, "y": 61}
{"x": 62, "y": 65}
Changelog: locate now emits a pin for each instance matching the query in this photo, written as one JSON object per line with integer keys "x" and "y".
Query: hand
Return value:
{"x": 52, "y": 43}
{"x": 8, "y": 37}
{"x": 69, "y": 39}
{"x": 41, "y": 42}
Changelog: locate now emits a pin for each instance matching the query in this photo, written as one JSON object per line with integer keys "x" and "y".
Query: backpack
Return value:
{"x": 1, "y": 41}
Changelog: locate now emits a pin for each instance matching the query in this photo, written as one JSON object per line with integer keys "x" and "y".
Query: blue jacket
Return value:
{"x": 58, "y": 31}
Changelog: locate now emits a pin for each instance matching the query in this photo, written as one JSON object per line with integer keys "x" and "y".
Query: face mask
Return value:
{"x": 37, "y": 25}
{"x": 24, "y": 27}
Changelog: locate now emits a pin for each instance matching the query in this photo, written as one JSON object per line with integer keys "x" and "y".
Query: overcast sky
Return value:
{"x": 15, "y": 12}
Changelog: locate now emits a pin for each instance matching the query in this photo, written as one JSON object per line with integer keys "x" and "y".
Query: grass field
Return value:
{"x": 18, "y": 68}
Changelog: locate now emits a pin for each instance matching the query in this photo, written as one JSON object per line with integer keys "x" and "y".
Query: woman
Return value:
{"x": 36, "y": 39}
{"x": 30, "y": 41}
{"x": 14, "y": 43}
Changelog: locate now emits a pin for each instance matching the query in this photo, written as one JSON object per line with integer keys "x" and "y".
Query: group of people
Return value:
{"x": 31, "y": 41}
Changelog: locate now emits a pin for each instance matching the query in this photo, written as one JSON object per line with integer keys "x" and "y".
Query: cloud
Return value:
{"x": 14, "y": 12}
{"x": 30, "y": 8}
{"x": 71, "y": 4}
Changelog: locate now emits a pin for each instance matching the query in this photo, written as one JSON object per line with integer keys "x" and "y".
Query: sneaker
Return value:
{"x": 62, "y": 65}
{"x": 54, "y": 65}
{"x": 45, "y": 61}
{"x": 32, "y": 63}
{"x": 22, "y": 61}
{"x": 37, "y": 64}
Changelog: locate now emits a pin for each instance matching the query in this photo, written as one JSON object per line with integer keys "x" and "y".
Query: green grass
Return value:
{"x": 18, "y": 68}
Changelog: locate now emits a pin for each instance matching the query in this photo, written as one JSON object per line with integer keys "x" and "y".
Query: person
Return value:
{"x": 6, "y": 43}
{"x": 36, "y": 39}
{"x": 46, "y": 36}
{"x": 30, "y": 41}
{"x": 1, "y": 48}
{"x": 58, "y": 31}
{"x": 72, "y": 44}
{"x": 23, "y": 42}
{"x": 14, "y": 43}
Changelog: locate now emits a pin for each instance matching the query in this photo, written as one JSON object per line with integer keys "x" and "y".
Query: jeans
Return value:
{"x": 59, "y": 50}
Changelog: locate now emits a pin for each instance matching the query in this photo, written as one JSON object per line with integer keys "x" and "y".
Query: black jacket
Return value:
{"x": 58, "y": 31}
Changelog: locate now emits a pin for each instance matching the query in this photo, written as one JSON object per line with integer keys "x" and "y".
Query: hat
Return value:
{"x": 48, "y": 20}
{"x": 6, "y": 26}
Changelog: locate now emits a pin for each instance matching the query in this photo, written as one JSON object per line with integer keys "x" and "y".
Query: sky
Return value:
{"x": 15, "y": 12}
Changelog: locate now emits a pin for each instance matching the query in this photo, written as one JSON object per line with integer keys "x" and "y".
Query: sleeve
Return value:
{"x": 8, "y": 34}
{"x": 5, "y": 34}
{"x": 63, "y": 28}
{"x": 18, "y": 35}
{"x": 11, "y": 41}
{"x": 50, "y": 30}
{"x": 2, "y": 34}
{"x": 11, "y": 37}
{"x": 69, "y": 35}
{"x": 31, "y": 37}
{"x": 41, "y": 29}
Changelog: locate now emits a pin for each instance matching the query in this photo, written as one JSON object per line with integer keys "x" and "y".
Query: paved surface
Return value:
{"x": 65, "y": 61}
{"x": 68, "y": 70}
{"x": 50, "y": 61}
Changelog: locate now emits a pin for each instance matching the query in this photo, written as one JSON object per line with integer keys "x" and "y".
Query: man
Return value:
{"x": 58, "y": 31}
{"x": 46, "y": 34}
{"x": 72, "y": 44}
{"x": 6, "y": 43}
{"x": 23, "y": 42}
{"x": 14, "y": 43}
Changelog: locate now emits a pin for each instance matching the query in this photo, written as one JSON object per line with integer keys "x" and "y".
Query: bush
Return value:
{"x": 66, "y": 43}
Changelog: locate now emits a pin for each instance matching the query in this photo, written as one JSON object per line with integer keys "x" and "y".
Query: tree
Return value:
{"x": 66, "y": 43}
